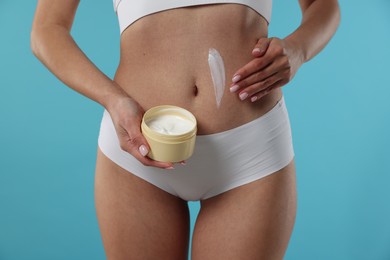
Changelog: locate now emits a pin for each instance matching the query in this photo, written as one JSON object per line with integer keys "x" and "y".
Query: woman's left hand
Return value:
{"x": 275, "y": 63}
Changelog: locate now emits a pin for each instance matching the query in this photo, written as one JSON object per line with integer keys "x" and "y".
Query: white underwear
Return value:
{"x": 221, "y": 161}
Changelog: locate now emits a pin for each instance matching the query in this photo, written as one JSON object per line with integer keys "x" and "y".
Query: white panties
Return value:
{"x": 221, "y": 161}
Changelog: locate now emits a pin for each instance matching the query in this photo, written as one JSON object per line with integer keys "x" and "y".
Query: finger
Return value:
{"x": 133, "y": 142}
{"x": 145, "y": 160}
{"x": 260, "y": 86}
{"x": 153, "y": 163}
{"x": 266, "y": 91}
{"x": 279, "y": 63}
{"x": 183, "y": 162}
{"x": 263, "y": 74}
{"x": 274, "y": 50}
{"x": 261, "y": 47}
{"x": 248, "y": 69}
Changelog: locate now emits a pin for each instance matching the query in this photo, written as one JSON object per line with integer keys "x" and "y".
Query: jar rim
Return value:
{"x": 168, "y": 110}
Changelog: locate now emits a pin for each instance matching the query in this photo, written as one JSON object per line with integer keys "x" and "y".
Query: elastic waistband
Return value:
{"x": 279, "y": 105}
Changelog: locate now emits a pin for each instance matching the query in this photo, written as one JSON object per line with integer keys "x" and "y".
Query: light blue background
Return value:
{"x": 339, "y": 109}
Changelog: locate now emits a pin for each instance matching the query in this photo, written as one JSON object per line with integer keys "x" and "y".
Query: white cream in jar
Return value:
{"x": 170, "y": 124}
{"x": 170, "y": 132}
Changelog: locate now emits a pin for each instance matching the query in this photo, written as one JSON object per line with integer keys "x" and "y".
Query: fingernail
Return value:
{"x": 234, "y": 88}
{"x": 243, "y": 95}
{"x": 183, "y": 163}
{"x": 256, "y": 51}
{"x": 236, "y": 78}
{"x": 253, "y": 99}
{"x": 169, "y": 168}
{"x": 143, "y": 150}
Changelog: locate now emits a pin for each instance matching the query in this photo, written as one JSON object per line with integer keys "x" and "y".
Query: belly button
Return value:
{"x": 195, "y": 90}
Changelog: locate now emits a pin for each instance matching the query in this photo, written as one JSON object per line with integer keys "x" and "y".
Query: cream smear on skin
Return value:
{"x": 217, "y": 70}
{"x": 170, "y": 124}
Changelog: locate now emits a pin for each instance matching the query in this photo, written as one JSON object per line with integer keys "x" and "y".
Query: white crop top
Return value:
{"x": 129, "y": 11}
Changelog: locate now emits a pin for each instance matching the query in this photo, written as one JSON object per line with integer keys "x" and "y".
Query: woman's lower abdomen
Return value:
{"x": 175, "y": 64}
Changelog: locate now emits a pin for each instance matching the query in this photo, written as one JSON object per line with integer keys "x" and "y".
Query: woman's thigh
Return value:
{"x": 253, "y": 221}
{"x": 138, "y": 220}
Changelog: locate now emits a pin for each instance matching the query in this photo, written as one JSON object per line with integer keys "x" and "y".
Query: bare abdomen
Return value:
{"x": 164, "y": 60}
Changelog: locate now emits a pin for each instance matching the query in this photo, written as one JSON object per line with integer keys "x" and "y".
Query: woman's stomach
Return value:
{"x": 165, "y": 61}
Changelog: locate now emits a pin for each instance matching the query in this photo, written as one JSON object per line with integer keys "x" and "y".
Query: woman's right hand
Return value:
{"x": 127, "y": 115}
{"x": 53, "y": 44}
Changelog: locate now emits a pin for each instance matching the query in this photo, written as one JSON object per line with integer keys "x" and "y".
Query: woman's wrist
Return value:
{"x": 296, "y": 48}
{"x": 113, "y": 96}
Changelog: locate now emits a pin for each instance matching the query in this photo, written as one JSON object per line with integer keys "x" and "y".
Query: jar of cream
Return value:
{"x": 170, "y": 132}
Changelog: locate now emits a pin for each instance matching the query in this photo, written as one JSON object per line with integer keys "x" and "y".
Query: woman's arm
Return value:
{"x": 52, "y": 43}
{"x": 277, "y": 60}
{"x": 320, "y": 19}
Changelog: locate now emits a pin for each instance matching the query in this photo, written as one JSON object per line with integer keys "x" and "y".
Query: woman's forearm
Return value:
{"x": 320, "y": 19}
{"x": 55, "y": 47}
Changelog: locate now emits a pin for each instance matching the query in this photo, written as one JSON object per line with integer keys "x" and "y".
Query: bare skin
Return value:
{"x": 136, "y": 219}
{"x": 163, "y": 60}
{"x": 253, "y": 221}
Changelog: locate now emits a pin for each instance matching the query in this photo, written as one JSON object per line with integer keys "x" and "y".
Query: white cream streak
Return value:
{"x": 217, "y": 70}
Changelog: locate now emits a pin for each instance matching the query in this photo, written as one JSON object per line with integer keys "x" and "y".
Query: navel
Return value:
{"x": 195, "y": 90}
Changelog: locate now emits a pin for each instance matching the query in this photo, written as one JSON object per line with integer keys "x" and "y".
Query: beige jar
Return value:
{"x": 170, "y": 132}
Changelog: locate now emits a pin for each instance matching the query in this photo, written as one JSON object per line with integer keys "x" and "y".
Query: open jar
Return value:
{"x": 170, "y": 132}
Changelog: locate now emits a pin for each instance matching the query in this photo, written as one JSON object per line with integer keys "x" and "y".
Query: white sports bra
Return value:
{"x": 129, "y": 11}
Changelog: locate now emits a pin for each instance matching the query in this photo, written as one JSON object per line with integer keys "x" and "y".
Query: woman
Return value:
{"x": 242, "y": 170}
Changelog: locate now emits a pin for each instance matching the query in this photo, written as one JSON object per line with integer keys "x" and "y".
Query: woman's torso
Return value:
{"x": 164, "y": 60}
